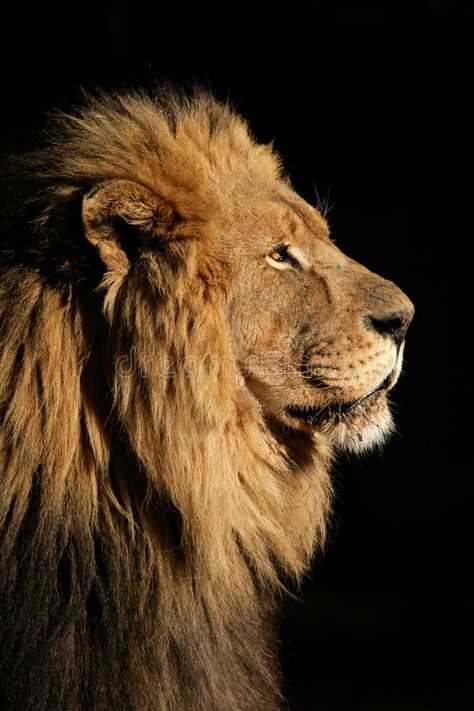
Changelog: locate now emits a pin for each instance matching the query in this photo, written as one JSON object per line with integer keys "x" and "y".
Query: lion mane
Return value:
{"x": 150, "y": 517}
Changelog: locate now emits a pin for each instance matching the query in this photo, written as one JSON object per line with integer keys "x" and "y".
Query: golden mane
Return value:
{"x": 148, "y": 512}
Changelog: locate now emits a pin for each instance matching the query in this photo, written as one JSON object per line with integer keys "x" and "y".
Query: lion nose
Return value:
{"x": 394, "y": 324}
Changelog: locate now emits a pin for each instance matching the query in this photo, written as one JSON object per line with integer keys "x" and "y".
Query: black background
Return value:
{"x": 369, "y": 102}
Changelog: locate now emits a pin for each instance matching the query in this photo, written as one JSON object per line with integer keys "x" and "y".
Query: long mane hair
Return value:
{"x": 149, "y": 514}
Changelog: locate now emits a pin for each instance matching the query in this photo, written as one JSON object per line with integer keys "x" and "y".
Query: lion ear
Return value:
{"x": 122, "y": 218}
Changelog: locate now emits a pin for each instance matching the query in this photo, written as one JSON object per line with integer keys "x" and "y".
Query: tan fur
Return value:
{"x": 155, "y": 494}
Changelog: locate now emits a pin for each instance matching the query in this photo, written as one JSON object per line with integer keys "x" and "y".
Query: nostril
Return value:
{"x": 391, "y": 326}
{"x": 394, "y": 325}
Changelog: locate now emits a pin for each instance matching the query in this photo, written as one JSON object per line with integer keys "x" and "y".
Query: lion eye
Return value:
{"x": 279, "y": 255}
{"x": 280, "y": 258}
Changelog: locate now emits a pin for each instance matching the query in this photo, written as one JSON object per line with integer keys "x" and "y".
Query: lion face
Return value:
{"x": 318, "y": 337}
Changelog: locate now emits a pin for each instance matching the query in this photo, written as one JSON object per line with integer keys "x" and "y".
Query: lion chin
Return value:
{"x": 361, "y": 430}
{"x": 354, "y": 426}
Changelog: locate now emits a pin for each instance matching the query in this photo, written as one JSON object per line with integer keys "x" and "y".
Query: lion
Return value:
{"x": 183, "y": 350}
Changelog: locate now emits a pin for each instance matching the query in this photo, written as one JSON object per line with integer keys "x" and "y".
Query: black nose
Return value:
{"x": 394, "y": 324}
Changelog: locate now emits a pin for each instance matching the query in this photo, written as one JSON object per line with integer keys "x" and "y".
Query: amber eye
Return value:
{"x": 279, "y": 255}
{"x": 280, "y": 258}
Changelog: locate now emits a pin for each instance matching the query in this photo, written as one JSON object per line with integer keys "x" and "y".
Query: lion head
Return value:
{"x": 317, "y": 337}
{"x": 183, "y": 348}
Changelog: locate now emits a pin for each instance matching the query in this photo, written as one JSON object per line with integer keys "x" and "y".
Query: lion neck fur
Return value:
{"x": 148, "y": 513}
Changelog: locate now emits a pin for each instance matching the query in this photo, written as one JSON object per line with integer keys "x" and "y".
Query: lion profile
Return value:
{"x": 183, "y": 347}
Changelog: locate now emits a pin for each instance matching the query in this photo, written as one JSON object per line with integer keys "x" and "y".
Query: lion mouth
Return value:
{"x": 338, "y": 410}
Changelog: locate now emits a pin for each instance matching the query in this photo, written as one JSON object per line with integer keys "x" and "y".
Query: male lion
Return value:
{"x": 182, "y": 348}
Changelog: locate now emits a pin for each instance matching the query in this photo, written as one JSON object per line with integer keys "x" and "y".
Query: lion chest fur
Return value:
{"x": 148, "y": 510}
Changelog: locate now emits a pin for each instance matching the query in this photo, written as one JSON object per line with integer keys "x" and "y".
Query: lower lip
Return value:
{"x": 338, "y": 411}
